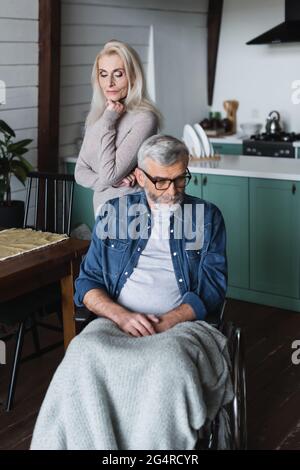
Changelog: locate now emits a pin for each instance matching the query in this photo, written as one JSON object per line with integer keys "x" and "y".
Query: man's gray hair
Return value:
{"x": 162, "y": 149}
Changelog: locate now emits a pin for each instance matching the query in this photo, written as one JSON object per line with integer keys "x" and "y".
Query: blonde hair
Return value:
{"x": 137, "y": 96}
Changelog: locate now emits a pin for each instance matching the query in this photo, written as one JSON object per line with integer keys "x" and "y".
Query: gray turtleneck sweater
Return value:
{"x": 109, "y": 152}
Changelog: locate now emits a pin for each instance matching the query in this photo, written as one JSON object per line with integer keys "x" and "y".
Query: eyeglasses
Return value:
{"x": 163, "y": 184}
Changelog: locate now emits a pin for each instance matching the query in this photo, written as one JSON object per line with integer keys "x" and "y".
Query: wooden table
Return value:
{"x": 27, "y": 272}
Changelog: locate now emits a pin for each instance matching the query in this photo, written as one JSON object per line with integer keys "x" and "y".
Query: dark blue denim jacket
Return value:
{"x": 201, "y": 272}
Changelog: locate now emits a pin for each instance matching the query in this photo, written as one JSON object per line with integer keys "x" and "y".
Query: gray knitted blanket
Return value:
{"x": 114, "y": 391}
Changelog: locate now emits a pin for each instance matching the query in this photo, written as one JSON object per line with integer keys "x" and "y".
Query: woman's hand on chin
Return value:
{"x": 115, "y": 106}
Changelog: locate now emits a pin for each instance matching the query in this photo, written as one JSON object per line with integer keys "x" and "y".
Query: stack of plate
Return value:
{"x": 197, "y": 141}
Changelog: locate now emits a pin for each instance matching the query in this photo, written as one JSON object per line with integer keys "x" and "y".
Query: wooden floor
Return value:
{"x": 273, "y": 381}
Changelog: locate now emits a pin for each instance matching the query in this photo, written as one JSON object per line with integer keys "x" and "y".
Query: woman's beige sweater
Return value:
{"x": 109, "y": 152}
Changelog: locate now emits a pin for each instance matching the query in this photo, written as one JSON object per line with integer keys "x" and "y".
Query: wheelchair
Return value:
{"x": 237, "y": 408}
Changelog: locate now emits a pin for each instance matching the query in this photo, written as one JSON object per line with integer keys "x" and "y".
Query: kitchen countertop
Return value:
{"x": 230, "y": 139}
{"x": 69, "y": 159}
{"x": 248, "y": 166}
{"x": 241, "y": 165}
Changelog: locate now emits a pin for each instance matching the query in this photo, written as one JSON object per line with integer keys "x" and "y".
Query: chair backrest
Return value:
{"x": 49, "y": 200}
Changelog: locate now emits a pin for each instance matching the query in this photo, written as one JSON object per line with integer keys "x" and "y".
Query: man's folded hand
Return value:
{"x": 137, "y": 324}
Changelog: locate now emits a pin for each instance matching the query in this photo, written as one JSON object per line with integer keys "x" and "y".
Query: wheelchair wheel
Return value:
{"x": 236, "y": 409}
{"x": 239, "y": 383}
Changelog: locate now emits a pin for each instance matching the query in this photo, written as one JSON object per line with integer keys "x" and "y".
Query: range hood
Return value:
{"x": 288, "y": 31}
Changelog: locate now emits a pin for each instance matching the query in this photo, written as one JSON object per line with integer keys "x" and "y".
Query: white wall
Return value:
{"x": 179, "y": 54}
{"x": 260, "y": 77}
{"x": 19, "y": 71}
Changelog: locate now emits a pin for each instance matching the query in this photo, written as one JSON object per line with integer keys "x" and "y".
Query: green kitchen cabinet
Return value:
{"x": 230, "y": 195}
{"x": 227, "y": 149}
{"x": 83, "y": 211}
{"x": 262, "y": 218}
{"x": 275, "y": 236}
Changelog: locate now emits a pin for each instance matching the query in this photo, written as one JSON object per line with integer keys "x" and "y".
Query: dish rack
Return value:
{"x": 212, "y": 161}
{"x": 215, "y": 157}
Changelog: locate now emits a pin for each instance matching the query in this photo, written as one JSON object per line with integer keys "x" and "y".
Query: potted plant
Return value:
{"x": 12, "y": 163}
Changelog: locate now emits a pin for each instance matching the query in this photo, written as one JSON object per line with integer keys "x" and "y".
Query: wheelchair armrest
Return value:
{"x": 82, "y": 314}
{"x": 213, "y": 319}
{"x": 216, "y": 318}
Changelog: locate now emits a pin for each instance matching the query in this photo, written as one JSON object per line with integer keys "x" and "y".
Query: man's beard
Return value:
{"x": 164, "y": 199}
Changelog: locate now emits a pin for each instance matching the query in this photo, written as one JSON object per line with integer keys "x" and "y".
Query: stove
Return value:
{"x": 271, "y": 145}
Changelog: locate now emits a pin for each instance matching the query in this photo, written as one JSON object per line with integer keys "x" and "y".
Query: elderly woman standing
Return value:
{"x": 120, "y": 119}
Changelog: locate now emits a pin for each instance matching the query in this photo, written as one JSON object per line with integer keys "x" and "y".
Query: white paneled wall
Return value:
{"x": 19, "y": 71}
{"x": 199, "y": 6}
{"x": 178, "y": 57}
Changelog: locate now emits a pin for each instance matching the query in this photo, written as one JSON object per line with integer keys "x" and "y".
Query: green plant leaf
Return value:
{"x": 11, "y": 159}
{"x": 4, "y": 166}
{"x": 26, "y": 164}
{"x": 20, "y": 172}
{"x": 17, "y": 151}
{"x": 17, "y": 145}
{"x": 4, "y": 128}
{"x": 20, "y": 164}
{"x": 2, "y": 189}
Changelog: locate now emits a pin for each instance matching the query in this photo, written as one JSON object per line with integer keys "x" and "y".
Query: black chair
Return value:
{"x": 50, "y": 198}
{"x": 48, "y": 207}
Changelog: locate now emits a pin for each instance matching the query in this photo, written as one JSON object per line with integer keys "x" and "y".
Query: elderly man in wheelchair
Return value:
{"x": 150, "y": 372}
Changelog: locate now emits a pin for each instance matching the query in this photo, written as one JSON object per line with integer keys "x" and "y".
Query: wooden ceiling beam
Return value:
{"x": 49, "y": 84}
{"x": 214, "y": 19}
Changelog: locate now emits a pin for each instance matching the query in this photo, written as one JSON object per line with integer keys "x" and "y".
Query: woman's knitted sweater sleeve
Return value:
{"x": 113, "y": 162}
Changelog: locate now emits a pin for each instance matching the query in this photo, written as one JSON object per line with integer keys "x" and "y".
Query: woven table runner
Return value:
{"x": 16, "y": 241}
